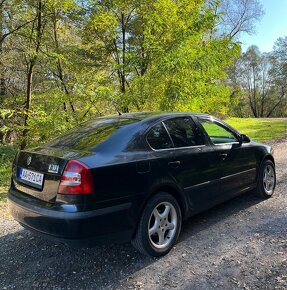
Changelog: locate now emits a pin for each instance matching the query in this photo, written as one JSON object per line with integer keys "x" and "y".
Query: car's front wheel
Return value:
{"x": 159, "y": 226}
{"x": 267, "y": 179}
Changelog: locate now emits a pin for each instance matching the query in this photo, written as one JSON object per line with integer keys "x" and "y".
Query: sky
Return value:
{"x": 272, "y": 26}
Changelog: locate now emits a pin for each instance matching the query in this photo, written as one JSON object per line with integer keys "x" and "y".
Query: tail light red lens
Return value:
{"x": 76, "y": 179}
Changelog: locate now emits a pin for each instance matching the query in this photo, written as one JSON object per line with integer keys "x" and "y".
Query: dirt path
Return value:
{"x": 241, "y": 244}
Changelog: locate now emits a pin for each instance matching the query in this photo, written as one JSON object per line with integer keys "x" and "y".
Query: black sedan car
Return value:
{"x": 135, "y": 177}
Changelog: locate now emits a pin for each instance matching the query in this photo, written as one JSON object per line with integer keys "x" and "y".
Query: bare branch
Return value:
{"x": 238, "y": 16}
{"x": 15, "y": 30}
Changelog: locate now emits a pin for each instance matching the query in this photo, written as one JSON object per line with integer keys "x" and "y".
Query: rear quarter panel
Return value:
{"x": 131, "y": 177}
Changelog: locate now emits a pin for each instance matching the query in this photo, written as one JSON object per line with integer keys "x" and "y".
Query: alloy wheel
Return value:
{"x": 162, "y": 225}
{"x": 269, "y": 179}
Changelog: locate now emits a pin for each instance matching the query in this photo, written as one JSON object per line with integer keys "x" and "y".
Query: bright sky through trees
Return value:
{"x": 272, "y": 26}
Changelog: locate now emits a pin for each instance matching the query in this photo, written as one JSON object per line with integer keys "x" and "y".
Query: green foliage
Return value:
{"x": 7, "y": 154}
{"x": 189, "y": 66}
{"x": 168, "y": 60}
{"x": 92, "y": 58}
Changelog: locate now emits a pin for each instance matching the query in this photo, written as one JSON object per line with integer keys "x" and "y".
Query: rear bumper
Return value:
{"x": 64, "y": 224}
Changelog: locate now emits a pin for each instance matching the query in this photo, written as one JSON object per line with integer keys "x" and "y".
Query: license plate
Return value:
{"x": 31, "y": 176}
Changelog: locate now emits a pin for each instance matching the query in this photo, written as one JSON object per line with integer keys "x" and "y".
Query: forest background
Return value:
{"x": 64, "y": 62}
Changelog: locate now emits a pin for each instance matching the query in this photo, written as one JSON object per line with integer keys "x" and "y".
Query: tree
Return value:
{"x": 237, "y": 16}
{"x": 160, "y": 53}
{"x": 262, "y": 80}
{"x": 35, "y": 40}
{"x": 73, "y": 60}
{"x": 2, "y": 78}
{"x": 279, "y": 75}
{"x": 10, "y": 23}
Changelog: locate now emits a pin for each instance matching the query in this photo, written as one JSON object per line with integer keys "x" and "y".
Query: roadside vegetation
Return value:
{"x": 7, "y": 153}
{"x": 260, "y": 129}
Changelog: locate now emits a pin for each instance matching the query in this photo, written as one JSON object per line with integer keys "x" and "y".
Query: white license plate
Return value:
{"x": 31, "y": 176}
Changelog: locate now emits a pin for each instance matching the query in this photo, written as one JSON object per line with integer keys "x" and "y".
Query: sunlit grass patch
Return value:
{"x": 260, "y": 129}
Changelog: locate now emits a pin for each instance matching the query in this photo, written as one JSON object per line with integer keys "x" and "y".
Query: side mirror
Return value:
{"x": 244, "y": 138}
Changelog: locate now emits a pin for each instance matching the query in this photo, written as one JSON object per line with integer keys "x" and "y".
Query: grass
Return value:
{"x": 260, "y": 129}
{"x": 256, "y": 129}
{"x": 7, "y": 154}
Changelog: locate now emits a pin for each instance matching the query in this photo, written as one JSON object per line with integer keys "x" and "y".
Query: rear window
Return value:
{"x": 90, "y": 134}
{"x": 182, "y": 133}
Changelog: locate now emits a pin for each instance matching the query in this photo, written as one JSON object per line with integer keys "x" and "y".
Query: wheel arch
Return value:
{"x": 176, "y": 193}
{"x": 259, "y": 190}
{"x": 268, "y": 157}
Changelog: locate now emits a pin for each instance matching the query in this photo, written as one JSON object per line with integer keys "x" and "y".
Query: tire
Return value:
{"x": 159, "y": 226}
{"x": 266, "y": 179}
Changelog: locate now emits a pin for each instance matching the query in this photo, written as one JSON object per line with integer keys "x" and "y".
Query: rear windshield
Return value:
{"x": 90, "y": 134}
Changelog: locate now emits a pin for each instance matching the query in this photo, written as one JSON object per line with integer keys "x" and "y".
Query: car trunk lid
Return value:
{"x": 38, "y": 172}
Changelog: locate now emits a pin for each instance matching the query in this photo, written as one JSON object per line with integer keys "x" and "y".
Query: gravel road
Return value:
{"x": 241, "y": 244}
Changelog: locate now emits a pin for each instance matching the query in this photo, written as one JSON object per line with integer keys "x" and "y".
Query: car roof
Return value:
{"x": 145, "y": 116}
{"x": 149, "y": 118}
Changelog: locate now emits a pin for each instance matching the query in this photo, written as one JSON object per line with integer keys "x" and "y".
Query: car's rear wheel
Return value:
{"x": 267, "y": 179}
{"x": 159, "y": 226}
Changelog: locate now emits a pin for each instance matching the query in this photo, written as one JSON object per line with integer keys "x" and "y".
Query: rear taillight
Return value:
{"x": 76, "y": 179}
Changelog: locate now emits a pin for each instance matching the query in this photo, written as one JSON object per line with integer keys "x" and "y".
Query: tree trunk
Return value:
{"x": 60, "y": 67}
{"x": 2, "y": 77}
{"x": 254, "y": 93}
{"x": 125, "y": 108}
{"x": 31, "y": 65}
{"x": 2, "y": 85}
{"x": 27, "y": 105}
{"x": 276, "y": 105}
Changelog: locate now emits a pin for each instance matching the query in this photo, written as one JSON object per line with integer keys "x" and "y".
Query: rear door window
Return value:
{"x": 183, "y": 132}
{"x": 158, "y": 137}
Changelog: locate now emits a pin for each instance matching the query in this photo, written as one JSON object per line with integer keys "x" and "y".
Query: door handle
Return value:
{"x": 223, "y": 155}
{"x": 174, "y": 164}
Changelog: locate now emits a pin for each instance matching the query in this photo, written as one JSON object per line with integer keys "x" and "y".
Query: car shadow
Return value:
{"x": 31, "y": 262}
{"x": 219, "y": 213}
